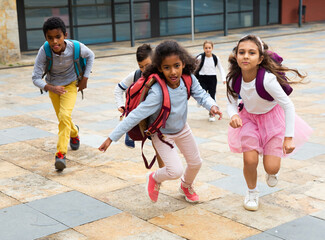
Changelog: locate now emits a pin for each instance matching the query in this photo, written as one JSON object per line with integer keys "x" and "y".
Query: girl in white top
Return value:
{"x": 206, "y": 72}
{"x": 269, "y": 128}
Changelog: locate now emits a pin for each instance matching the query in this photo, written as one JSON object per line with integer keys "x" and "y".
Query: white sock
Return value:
{"x": 253, "y": 190}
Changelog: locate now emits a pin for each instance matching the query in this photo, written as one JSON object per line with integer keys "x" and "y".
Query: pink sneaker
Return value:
{"x": 152, "y": 187}
{"x": 189, "y": 194}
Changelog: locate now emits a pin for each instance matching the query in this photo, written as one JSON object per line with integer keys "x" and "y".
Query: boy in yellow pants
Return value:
{"x": 62, "y": 82}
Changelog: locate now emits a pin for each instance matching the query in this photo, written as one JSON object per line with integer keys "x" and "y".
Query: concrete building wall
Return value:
{"x": 9, "y": 36}
{"x": 314, "y": 11}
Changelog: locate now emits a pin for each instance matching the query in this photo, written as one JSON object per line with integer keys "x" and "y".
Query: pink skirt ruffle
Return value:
{"x": 265, "y": 133}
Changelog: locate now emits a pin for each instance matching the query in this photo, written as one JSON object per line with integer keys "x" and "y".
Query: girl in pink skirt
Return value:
{"x": 266, "y": 122}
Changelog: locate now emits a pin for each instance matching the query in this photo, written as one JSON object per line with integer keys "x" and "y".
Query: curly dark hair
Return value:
{"x": 54, "y": 23}
{"x": 268, "y": 63}
{"x": 166, "y": 49}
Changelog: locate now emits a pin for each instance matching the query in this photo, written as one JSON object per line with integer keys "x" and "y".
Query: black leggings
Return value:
{"x": 209, "y": 84}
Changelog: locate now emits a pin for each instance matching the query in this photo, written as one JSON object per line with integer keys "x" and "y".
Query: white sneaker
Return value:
{"x": 251, "y": 200}
{"x": 271, "y": 180}
{"x": 212, "y": 119}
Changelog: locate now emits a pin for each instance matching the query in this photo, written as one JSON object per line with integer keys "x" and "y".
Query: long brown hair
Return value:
{"x": 268, "y": 63}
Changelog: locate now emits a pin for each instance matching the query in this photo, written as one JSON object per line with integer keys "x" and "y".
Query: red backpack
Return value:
{"x": 137, "y": 93}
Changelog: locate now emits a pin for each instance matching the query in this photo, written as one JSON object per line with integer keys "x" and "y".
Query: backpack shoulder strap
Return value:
{"x": 259, "y": 84}
{"x": 188, "y": 83}
{"x": 137, "y": 75}
{"x": 49, "y": 58}
{"x": 201, "y": 63}
{"x": 76, "y": 58}
{"x": 236, "y": 83}
{"x": 260, "y": 89}
{"x": 165, "y": 108}
{"x": 215, "y": 59}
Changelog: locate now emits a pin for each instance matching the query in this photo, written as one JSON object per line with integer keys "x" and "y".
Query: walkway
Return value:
{"x": 101, "y": 196}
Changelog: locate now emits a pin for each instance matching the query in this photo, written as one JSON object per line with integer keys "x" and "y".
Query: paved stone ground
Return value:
{"x": 101, "y": 196}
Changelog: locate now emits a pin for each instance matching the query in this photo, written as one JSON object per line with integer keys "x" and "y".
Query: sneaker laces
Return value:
{"x": 252, "y": 196}
{"x": 60, "y": 155}
{"x": 190, "y": 189}
{"x": 157, "y": 187}
{"x": 75, "y": 139}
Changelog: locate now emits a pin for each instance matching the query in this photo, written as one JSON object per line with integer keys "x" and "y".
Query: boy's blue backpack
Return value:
{"x": 79, "y": 62}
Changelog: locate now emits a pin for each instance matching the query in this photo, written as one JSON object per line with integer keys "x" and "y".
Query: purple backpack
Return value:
{"x": 260, "y": 79}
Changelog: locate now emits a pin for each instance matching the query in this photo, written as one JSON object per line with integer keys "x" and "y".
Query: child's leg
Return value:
{"x": 203, "y": 82}
{"x": 173, "y": 168}
{"x": 250, "y": 168}
{"x": 188, "y": 147}
{"x": 159, "y": 160}
{"x": 271, "y": 164}
{"x": 272, "y": 154}
{"x": 63, "y": 105}
{"x": 212, "y": 85}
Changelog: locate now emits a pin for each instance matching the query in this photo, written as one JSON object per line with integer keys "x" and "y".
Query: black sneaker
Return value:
{"x": 75, "y": 142}
{"x": 60, "y": 161}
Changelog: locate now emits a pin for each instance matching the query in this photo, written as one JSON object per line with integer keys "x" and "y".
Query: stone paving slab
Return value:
{"x": 30, "y": 187}
{"x": 73, "y": 208}
{"x": 186, "y": 223}
{"x": 309, "y": 150}
{"x": 319, "y": 215}
{"x": 24, "y": 223}
{"x": 8, "y": 112}
{"x": 125, "y": 226}
{"x": 21, "y": 134}
{"x": 307, "y": 227}
{"x": 134, "y": 200}
{"x": 263, "y": 236}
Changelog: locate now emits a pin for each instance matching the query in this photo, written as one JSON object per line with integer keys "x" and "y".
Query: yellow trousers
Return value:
{"x": 63, "y": 106}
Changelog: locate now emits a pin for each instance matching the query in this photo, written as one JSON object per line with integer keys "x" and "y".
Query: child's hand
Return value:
{"x": 288, "y": 145}
{"x": 105, "y": 145}
{"x": 82, "y": 84}
{"x": 215, "y": 111}
{"x": 121, "y": 109}
{"x": 55, "y": 89}
{"x": 236, "y": 121}
{"x": 224, "y": 82}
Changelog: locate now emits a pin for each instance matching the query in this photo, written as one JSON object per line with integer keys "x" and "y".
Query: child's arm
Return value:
{"x": 201, "y": 96}
{"x": 221, "y": 70}
{"x": 38, "y": 70}
{"x": 39, "y": 66}
{"x": 55, "y": 89}
{"x": 105, "y": 145}
{"x": 119, "y": 90}
{"x": 198, "y": 62}
{"x": 232, "y": 110}
{"x": 151, "y": 105}
{"x": 89, "y": 55}
{"x": 273, "y": 87}
{"x": 235, "y": 121}
{"x": 288, "y": 145}
{"x": 215, "y": 111}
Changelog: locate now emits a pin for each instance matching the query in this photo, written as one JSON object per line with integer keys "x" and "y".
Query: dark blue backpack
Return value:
{"x": 79, "y": 62}
{"x": 259, "y": 83}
